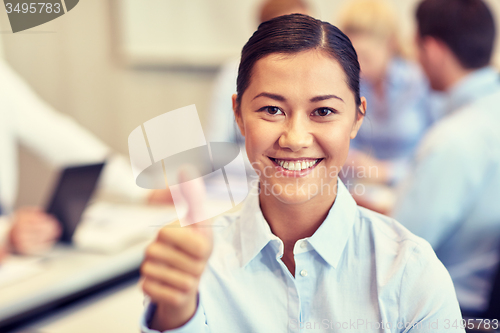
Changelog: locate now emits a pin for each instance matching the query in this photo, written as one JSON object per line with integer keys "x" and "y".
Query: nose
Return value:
{"x": 296, "y": 135}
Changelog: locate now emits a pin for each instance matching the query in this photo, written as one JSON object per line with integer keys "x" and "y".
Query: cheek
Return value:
{"x": 260, "y": 137}
{"x": 335, "y": 143}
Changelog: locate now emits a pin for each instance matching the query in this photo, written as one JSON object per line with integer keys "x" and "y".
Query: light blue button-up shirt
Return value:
{"x": 451, "y": 195}
{"x": 359, "y": 272}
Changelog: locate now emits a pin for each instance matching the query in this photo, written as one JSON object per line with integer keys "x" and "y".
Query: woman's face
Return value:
{"x": 298, "y": 116}
{"x": 374, "y": 54}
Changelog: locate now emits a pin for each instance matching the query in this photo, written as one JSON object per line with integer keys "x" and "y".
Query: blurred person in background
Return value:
{"x": 450, "y": 197}
{"x": 222, "y": 126}
{"x": 58, "y": 139}
{"x": 397, "y": 92}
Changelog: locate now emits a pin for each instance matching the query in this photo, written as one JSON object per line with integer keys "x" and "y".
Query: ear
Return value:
{"x": 434, "y": 49}
{"x": 237, "y": 114}
{"x": 360, "y": 115}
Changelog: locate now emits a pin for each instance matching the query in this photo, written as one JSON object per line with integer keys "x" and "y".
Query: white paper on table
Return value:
{"x": 17, "y": 268}
{"x": 109, "y": 227}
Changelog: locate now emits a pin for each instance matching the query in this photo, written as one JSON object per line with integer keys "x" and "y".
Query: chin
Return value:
{"x": 293, "y": 193}
{"x": 435, "y": 84}
{"x": 294, "y": 199}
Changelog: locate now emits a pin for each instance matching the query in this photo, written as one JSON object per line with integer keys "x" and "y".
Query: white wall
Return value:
{"x": 200, "y": 32}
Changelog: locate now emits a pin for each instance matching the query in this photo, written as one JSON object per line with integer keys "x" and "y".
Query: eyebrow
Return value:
{"x": 282, "y": 99}
{"x": 324, "y": 97}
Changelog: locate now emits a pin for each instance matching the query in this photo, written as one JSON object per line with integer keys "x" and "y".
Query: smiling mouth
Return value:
{"x": 296, "y": 165}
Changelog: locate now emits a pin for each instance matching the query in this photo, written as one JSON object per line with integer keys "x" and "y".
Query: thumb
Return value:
{"x": 193, "y": 191}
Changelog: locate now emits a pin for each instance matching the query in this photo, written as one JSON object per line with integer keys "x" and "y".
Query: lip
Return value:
{"x": 295, "y": 174}
{"x": 297, "y": 158}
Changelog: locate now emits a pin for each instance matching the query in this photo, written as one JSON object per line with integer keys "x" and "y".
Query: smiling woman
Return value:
{"x": 300, "y": 254}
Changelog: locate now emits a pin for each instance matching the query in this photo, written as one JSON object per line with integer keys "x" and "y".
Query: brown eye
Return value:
{"x": 272, "y": 110}
{"x": 322, "y": 112}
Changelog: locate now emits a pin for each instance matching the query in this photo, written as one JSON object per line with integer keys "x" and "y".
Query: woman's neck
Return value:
{"x": 291, "y": 222}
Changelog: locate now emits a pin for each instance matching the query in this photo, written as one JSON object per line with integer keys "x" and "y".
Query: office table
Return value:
{"x": 118, "y": 309}
{"x": 69, "y": 272}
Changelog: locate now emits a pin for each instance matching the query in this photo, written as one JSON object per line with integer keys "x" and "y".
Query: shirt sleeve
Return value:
{"x": 428, "y": 301}
{"x": 197, "y": 324}
{"x": 440, "y": 187}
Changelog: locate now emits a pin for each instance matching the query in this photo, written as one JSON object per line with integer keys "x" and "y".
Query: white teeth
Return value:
{"x": 296, "y": 166}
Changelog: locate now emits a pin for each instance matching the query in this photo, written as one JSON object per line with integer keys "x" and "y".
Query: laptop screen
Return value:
{"x": 71, "y": 195}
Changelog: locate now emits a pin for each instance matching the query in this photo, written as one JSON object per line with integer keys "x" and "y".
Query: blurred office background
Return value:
{"x": 114, "y": 64}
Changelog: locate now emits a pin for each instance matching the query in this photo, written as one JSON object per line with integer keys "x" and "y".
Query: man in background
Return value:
{"x": 451, "y": 195}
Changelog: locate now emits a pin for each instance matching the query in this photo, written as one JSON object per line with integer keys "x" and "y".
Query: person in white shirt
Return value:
{"x": 61, "y": 141}
{"x": 300, "y": 256}
{"x": 450, "y": 197}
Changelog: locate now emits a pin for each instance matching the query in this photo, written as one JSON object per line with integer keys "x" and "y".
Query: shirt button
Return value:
{"x": 303, "y": 244}
{"x": 303, "y": 272}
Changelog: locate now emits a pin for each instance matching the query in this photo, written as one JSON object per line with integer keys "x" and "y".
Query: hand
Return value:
{"x": 33, "y": 231}
{"x": 3, "y": 253}
{"x": 174, "y": 263}
{"x": 376, "y": 207}
{"x": 160, "y": 197}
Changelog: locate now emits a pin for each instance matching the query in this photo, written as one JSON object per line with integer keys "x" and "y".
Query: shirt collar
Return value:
{"x": 329, "y": 240}
{"x": 477, "y": 84}
{"x": 255, "y": 233}
{"x": 331, "y": 237}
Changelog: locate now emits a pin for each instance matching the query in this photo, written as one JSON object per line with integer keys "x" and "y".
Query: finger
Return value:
{"x": 31, "y": 247}
{"x": 169, "y": 276}
{"x": 193, "y": 244}
{"x": 193, "y": 191}
{"x": 3, "y": 253}
{"x": 30, "y": 216}
{"x": 52, "y": 227}
{"x": 174, "y": 258}
{"x": 160, "y": 293}
{"x": 33, "y": 238}
{"x": 42, "y": 229}
{"x": 161, "y": 197}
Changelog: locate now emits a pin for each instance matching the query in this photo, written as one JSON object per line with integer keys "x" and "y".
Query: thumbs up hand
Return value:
{"x": 175, "y": 261}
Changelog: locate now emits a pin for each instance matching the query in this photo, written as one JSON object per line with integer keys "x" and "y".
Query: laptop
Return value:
{"x": 71, "y": 195}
